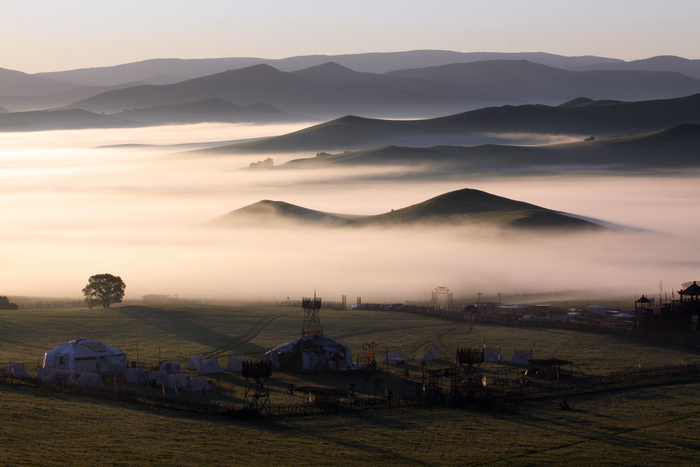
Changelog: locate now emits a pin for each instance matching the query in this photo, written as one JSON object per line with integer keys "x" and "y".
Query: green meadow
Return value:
{"x": 651, "y": 423}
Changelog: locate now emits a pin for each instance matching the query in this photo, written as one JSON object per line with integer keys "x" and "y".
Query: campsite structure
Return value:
{"x": 86, "y": 355}
{"x": 673, "y": 316}
{"x": 311, "y": 325}
{"x": 312, "y": 351}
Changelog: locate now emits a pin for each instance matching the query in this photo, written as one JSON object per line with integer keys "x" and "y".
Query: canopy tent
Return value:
{"x": 171, "y": 367}
{"x": 310, "y": 353}
{"x": 44, "y": 374}
{"x": 135, "y": 375}
{"x": 209, "y": 367}
{"x": 194, "y": 361}
{"x": 176, "y": 381}
{"x": 16, "y": 371}
{"x": 235, "y": 364}
{"x": 492, "y": 355}
{"x": 156, "y": 378}
{"x": 198, "y": 383}
{"x": 393, "y": 358}
{"x": 90, "y": 380}
{"x": 520, "y": 357}
{"x": 86, "y": 355}
{"x": 429, "y": 355}
{"x": 598, "y": 310}
{"x": 55, "y": 376}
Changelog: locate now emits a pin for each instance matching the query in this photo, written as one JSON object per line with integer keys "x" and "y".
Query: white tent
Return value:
{"x": 156, "y": 378}
{"x": 235, "y": 364}
{"x": 430, "y": 355}
{"x": 310, "y": 353}
{"x": 492, "y": 355}
{"x": 85, "y": 355}
{"x": 208, "y": 367}
{"x": 521, "y": 357}
{"x": 393, "y": 358}
{"x": 65, "y": 377}
{"x": 16, "y": 371}
{"x": 90, "y": 380}
{"x": 178, "y": 380}
{"x": 171, "y": 367}
{"x": 194, "y": 361}
{"x": 44, "y": 374}
{"x": 598, "y": 310}
{"x": 198, "y": 383}
{"x": 135, "y": 375}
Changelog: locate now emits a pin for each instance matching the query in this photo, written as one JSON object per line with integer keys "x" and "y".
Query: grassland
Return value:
{"x": 642, "y": 426}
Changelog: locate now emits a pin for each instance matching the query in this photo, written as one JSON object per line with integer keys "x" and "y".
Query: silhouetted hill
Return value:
{"x": 16, "y": 83}
{"x": 381, "y": 62}
{"x": 269, "y": 212}
{"x": 687, "y": 67}
{"x": 457, "y": 208}
{"x": 328, "y": 89}
{"x": 536, "y": 83}
{"x": 672, "y": 148}
{"x": 208, "y": 110}
{"x": 58, "y": 120}
{"x": 474, "y": 127}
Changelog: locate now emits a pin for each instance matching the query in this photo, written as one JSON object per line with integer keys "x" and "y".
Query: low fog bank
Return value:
{"x": 389, "y": 265}
{"x": 70, "y": 211}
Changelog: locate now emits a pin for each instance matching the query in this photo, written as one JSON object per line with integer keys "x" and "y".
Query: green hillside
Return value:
{"x": 457, "y": 208}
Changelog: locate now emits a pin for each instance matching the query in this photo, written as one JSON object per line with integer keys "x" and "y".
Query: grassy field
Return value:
{"x": 643, "y": 426}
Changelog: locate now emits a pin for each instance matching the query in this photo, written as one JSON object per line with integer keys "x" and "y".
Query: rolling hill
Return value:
{"x": 687, "y": 67}
{"x": 465, "y": 207}
{"x": 580, "y": 118}
{"x": 536, "y": 83}
{"x": 672, "y": 148}
{"x": 207, "y": 110}
{"x": 325, "y": 90}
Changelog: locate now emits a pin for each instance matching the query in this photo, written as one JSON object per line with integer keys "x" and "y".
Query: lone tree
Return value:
{"x": 104, "y": 289}
{"x": 6, "y": 304}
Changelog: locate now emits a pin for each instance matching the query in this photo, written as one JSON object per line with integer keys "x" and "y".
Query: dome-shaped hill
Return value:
{"x": 475, "y": 207}
{"x": 269, "y": 212}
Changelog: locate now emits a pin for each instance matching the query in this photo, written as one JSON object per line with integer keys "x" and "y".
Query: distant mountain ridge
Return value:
{"x": 380, "y": 62}
{"x": 465, "y": 207}
{"x": 207, "y": 110}
{"x": 582, "y": 118}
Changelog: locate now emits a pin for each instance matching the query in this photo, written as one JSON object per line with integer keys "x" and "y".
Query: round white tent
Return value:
{"x": 83, "y": 354}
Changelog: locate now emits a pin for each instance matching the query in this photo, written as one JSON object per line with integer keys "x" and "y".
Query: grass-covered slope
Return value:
{"x": 269, "y": 212}
{"x": 601, "y": 119}
{"x": 475, "y": 207}
{"x": 672, "y": 148}
{"x": 457, "y": 208}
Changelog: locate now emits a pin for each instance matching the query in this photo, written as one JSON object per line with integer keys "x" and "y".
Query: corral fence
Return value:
{"x": 504, "y": 395}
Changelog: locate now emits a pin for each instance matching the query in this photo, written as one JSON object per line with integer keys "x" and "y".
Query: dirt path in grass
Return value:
{"x": 245, "y": 338}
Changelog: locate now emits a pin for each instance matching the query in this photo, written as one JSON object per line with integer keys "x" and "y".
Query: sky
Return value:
{"x": 51, "y": 36}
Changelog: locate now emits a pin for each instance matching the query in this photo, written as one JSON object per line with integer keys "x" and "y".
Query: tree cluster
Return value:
{"x": 6, "y": 304}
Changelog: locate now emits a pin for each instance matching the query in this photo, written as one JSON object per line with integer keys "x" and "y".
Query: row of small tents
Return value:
{"x": 94, "y": 380}
{"x": 85, "y": 355}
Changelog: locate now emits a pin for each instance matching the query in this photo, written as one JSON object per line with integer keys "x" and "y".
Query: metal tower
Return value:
{"x": 312, "y": 323}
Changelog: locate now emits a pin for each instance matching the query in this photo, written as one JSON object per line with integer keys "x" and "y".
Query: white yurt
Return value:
{"x": 86, "y": 355}
{"x": 310, "y": 353}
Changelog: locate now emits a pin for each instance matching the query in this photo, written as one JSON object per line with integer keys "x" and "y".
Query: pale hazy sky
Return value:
{"x": 50, "y": 35}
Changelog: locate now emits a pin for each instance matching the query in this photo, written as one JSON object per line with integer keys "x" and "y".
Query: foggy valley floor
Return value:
{"x": 71, "y": 210}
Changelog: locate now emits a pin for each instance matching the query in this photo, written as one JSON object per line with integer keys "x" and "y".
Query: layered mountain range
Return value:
{"x": 404, "y": 85}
